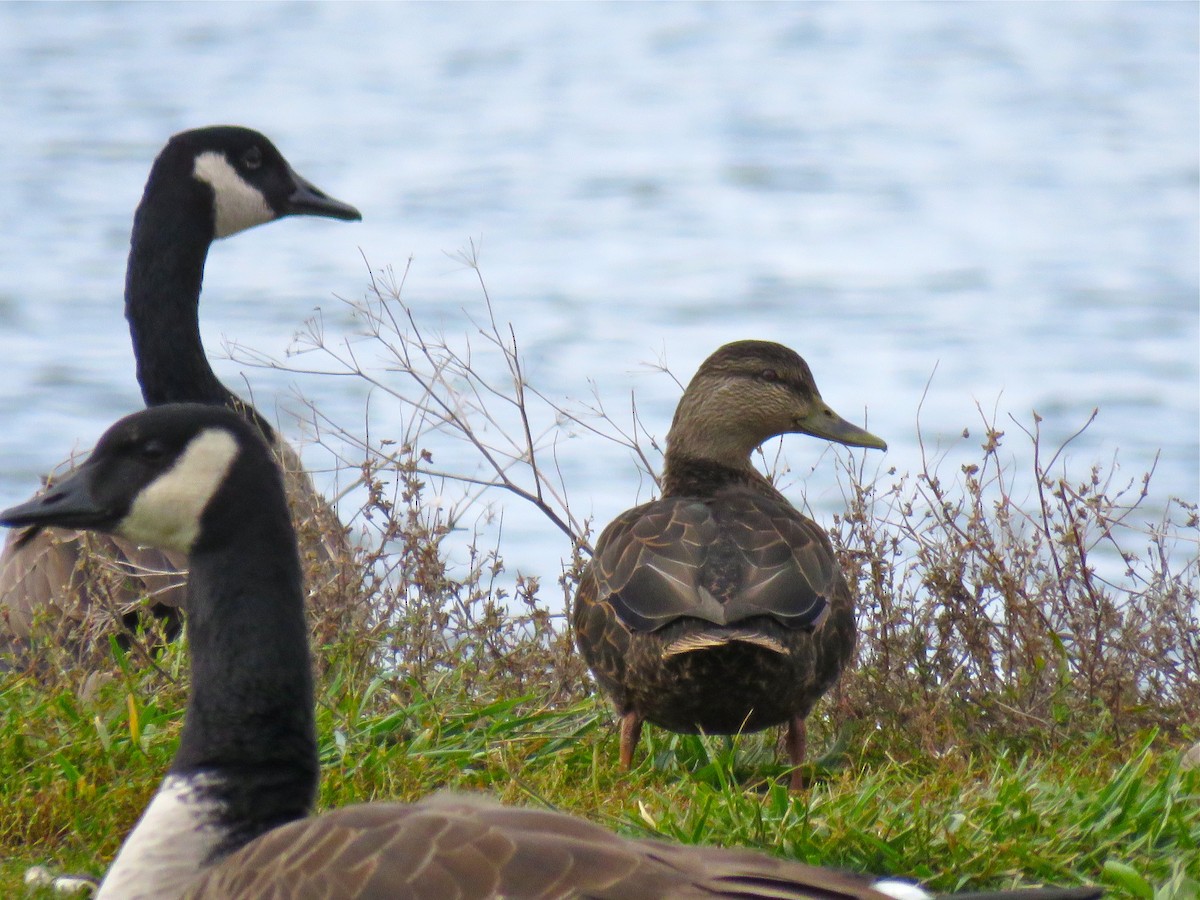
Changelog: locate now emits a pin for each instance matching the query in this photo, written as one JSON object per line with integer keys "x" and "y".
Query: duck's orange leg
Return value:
{"x": 797, "y": 746}
{"x": 631, "y": 730}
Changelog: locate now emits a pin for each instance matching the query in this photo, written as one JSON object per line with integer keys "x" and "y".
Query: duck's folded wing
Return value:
{"x": 790, "y": 570}
{"x": 722, "y": 561}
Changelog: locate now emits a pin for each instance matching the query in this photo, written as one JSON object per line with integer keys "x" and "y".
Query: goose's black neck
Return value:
{"x": 250, "y": 720}
{"x": 689, "y": 476}
{"x": 172, "y": 231}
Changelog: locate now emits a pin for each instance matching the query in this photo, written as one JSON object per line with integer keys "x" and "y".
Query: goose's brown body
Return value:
{"x": 73, "y": 583}
{"x": 57, "y": 579}
{"x": 719, "y": 607}
{"x": 454, "y": 846}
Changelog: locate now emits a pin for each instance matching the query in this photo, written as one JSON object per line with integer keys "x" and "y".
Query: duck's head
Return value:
{"x": 747, "y": 392}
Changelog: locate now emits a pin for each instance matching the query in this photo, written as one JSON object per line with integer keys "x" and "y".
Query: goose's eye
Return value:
{"x": 252, "y": 158}
{"x": 769, "y": 375}
{"x": 152, "y": 450}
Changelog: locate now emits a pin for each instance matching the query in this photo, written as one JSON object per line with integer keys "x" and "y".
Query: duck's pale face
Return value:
{"x": 748, "y": 392}
{"x": 724, "y": 418}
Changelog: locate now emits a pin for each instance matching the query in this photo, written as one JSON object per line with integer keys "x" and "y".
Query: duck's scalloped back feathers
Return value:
{"x": 724, "y": 559}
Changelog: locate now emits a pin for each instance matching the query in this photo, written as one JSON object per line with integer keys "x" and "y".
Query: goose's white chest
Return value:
{"x": 170, "y": 844}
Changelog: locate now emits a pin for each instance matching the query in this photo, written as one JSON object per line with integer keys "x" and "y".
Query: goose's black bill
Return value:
{"x": 309, "y": 200}
{"x": 68, "y": 504}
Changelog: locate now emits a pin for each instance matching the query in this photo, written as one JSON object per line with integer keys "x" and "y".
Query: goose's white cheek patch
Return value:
{"x": 240, "y": 205}
{"x": 167, "y": 512}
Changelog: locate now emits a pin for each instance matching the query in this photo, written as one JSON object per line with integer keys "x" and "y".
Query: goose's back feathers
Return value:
{"x": 72, "y": 585}
{"x": 454, "y": 846}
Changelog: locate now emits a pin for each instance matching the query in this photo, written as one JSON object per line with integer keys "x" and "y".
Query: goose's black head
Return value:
{"x": 163, "y": 477}
{"x": 238, "y": 177}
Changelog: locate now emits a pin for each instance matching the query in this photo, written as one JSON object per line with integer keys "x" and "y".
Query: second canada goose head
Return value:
{"x": 237, "y": 179}
{"x": 747, "y": 392}
{"x": 205, "y": 184}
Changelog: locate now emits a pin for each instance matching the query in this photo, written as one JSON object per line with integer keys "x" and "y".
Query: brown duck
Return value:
{"x": 719, "y": 607}
{"x": 231, "y": 819}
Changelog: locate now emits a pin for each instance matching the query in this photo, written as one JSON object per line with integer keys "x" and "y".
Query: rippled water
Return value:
{"x": 997, "y": 200}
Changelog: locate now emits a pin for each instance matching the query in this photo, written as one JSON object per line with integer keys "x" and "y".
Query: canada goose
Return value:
{"x": 719, "y": 607}
{"x": 230, "y": 819}
{"x": 205, "y": 184}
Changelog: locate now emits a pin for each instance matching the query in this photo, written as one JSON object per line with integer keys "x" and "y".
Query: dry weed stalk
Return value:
{"x": 979, "y": 611}
{"x": 975, "y": 610}
{"x": 426, "y": 618}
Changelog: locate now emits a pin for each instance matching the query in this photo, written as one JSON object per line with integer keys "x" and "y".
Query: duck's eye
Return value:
{"x": 252, "y": 158}
{"x": 769, "y": 375}
{"x": 152, "y": 450}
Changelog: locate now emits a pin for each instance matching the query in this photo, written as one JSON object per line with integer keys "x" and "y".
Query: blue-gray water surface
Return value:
{"x": 981, "y": 205}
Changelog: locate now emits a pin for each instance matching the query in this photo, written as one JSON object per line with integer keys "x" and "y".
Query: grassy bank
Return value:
{"x": 1012, "y": 717}
{"x": 78, "y": 770}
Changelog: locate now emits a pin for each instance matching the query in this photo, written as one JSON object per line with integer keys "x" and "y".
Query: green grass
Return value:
{"x": 1011, "y": 717}
{"x": 78, "y": 771}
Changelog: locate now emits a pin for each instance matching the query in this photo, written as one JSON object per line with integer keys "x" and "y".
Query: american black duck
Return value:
{"x": 719, "y": 607}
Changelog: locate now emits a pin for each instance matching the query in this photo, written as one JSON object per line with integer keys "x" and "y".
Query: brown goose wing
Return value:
{"x": 723, "y": 559}
{"x": 461, "y": 847}
{"x": 315, "y": 519}
{"x": 55, "y": 574}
